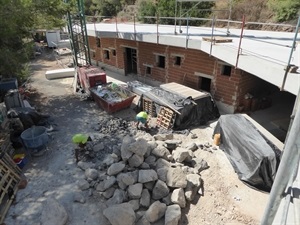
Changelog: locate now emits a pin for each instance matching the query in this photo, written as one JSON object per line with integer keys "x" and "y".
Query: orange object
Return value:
{"x": 217, "y": 139}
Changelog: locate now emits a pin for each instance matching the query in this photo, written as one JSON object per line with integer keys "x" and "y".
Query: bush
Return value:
{"x": 285, "y": 9}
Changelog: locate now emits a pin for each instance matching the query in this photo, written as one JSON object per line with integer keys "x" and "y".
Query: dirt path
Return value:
{"x": 226, "y": 200}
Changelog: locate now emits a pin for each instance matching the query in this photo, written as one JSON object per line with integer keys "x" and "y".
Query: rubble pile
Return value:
{"x": 112, "y": 125}
{"x": 146, "y": 180}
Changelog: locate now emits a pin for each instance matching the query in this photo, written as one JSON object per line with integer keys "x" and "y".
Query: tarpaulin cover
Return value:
{"x": 191, "y": 114}
{"x": 252, "y": 156}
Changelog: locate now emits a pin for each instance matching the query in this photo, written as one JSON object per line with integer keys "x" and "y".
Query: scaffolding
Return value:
{"x": 78, "y": 36}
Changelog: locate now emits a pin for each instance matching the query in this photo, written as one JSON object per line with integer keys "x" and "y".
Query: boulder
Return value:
{"x": 160, "y": 163}
{"x": 98, "y": 147}
{"x": 121, "y": 214}
{"x": 118, "y": 198}
{"x": 135, "y": 160}
{"x": 139, "y": 147}
{"x": 191, "y": 146}
{"x": 163, "y": 137}
{"x": 173, "y": 215}
{"x": 78, "y": 197}
{"x": 195, "y": 179}
{"x": 109, "y": 159}
{"x": 167, "y": 199}
{"x": 126, "y": 179}
{"x": 145, "y": 198}
{"x": 143, "y": 221}
{"x": 53, "y": 213}
{"x": 125, "y": 153}
{"x": 150, "y": 160}
{"x": 91, "y": 174}
{"x": 83, "y": 184}
{"x": 193, "y": 184}
{"x": 115, "y": 168}
{"x": 180, "y": 154}
{"x": 156, "y": 211}
{"x": 135, "y": 203}
{"x": 149, "y": 185}
{"x": 109, "y": 192}
{"x": 160, "y": 190}
{"x": 161, "y": 152}
{"x": 147, "y": 176}
{"x": 176, "y": 178}
{"x": 84, "y": 165}
{"x": 145, "y": 166}
{"x": 190, "y": 192}
{"x": 135, "y": 191}
{"x": 199, "y": 164}
{"x": 178, "y": 197}
{"x": 104, "y": 185}
{"x": 162, "y": 174}
{"x": 151, "y": 145}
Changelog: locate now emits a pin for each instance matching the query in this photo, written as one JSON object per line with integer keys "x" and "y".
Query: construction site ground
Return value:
{"x": 226, "y": 200}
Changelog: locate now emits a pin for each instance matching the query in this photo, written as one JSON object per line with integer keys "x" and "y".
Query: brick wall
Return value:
{"x": 228, "y": 89}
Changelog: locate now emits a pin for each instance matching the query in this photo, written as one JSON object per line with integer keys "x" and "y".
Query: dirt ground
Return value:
{"x": 225, "y": 200}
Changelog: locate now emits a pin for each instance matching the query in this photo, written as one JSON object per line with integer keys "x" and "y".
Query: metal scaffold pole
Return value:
{"x": 289, "y": 162}
{"x": 78, "y": 36}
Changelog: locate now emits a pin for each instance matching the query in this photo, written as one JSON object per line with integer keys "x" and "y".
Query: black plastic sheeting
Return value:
{"x": 253, "y": 157}
{"x": 190, "y": 114}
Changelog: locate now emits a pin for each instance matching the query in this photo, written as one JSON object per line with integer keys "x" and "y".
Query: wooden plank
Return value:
{"x": 217, "y": 39}
{"x": 183, "y": 91}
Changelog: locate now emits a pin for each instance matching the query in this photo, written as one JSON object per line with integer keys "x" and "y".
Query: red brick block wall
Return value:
{"x": 226, "y": 89}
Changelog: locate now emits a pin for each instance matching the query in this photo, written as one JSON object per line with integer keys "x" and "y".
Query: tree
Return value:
{"x": 18, "y": 19}
{"x": 166, "y": 8}
{"x": 285, "y": 9}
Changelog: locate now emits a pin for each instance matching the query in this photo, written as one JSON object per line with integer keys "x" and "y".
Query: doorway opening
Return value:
{"x": 204, "y": 84}
{"x": 130, "y": 61}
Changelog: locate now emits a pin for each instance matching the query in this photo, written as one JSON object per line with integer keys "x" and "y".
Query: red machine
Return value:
{"x": 90, "y": 76}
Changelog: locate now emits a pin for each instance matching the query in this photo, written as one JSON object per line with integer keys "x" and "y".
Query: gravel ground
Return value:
{"x": 226, "y": 200}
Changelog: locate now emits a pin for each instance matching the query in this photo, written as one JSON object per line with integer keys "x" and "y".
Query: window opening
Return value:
{"x": 226, "y": 70}
{"x": 98, "y": 44}
{"x": 161, "y": 61}
{"x": 106, "y": 54}
{"x": 148, "y": 70}
{"x": 177, "y": 60}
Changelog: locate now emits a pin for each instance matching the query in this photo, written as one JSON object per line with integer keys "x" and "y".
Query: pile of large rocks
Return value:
{"x": 149, "y": 180}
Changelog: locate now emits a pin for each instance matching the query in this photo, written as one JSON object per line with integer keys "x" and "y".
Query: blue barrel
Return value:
{"x": 35, "y": 137}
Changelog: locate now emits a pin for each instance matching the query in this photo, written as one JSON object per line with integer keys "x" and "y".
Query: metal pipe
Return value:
{"x": 229, "y": 17}
{"x": 187, "y": 33}
{"x": 180, "y": 31}
{"x": 157, "y": 22}
{"x": 175, "y": 32}
{"x": 134, "y": 27}
{"x": 212, "y": 34}
{"x": 289, "y": 160}
{"x": 240, "y": 43}
{"x": 291, "y": 54}
{"x": 117, "y": 35}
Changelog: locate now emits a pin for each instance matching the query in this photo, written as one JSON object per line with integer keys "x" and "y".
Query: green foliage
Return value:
{"x": 18, "y": 18}
{"x": 285, "y": 9}
{"x": 106, "y": 8}
{"x": 146, "y": 8}
{"x": 166, "y": 8}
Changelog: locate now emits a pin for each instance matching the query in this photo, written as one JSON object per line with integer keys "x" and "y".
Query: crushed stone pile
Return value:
{"x": 144, "y": 180}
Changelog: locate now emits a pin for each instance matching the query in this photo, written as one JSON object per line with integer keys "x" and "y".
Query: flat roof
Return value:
{"x": 264, "y": 54}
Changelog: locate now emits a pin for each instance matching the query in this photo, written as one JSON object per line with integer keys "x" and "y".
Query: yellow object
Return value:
{"x": 142, "y": 115}
{"x": 19, "y": 156}
{"x": 217, "y": 139}
{"x": 80, "y": 138}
